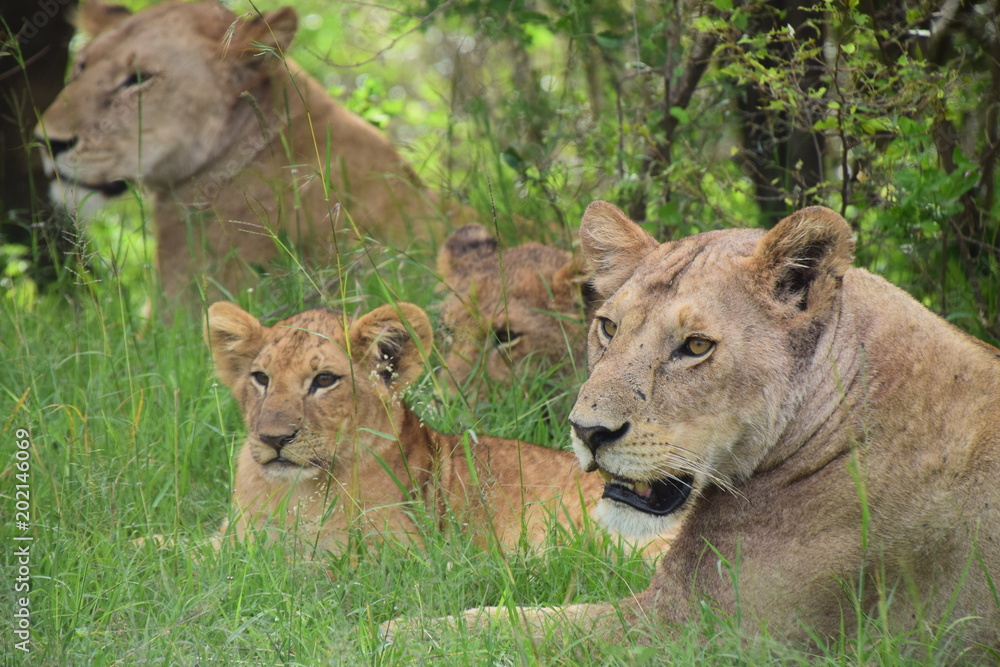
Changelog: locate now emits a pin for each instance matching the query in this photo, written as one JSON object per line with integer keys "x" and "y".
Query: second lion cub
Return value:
{"x": 330, "y": 443}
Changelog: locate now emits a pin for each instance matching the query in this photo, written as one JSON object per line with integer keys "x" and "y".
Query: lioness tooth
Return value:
{"x": 642, "y": 488}
{"x": 605, "y": 475}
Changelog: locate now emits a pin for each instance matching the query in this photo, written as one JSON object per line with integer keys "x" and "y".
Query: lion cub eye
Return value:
{"x": 608, "y": 328}
{"x": 324, "y": 380}
{"x": 504, "y": 338}
{"x": 260, "y": 378}
{"x": 697, "y": 347}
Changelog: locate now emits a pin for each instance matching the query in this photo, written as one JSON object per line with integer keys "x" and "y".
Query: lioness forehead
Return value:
{"x": 701, "y": 257}
{"x": 167, "y": 20}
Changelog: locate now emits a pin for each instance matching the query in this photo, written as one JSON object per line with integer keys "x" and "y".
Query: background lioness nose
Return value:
{"x": 598, "y": 436}
{"x": 278, "y": 442}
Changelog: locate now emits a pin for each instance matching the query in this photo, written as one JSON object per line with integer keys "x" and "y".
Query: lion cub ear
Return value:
{"x": 613, "y": 246}
{"x": 381, "y": 340}
{"x": 270, "y": 30}
{"x": 801, "y": 262}
{"x": 465, "y": 251}
{"x": 572, "y": 280}
{"x": 94, "y": 16}
{"x": 235, "y": 337}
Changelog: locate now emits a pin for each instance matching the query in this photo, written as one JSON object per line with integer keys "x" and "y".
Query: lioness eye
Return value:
{"x": 698, "y": 347}
{"x": 324, "y": 380}
{"x": 260, "y": 378}
{"x": 608, "y": 327}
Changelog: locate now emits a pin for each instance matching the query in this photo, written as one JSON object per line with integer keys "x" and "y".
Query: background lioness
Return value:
{"x": 822, "y": 435}
{"x": 528, "y": 303}
{"x": 331, "y": 444}
{"x": 236, "y": 143}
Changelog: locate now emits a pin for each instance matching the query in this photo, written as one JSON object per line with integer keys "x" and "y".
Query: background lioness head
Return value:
{"x": 152, "y": 95}
{"x": 314, "y": 385}
{"x": 692, "y": 356}
{"x": 528, "y": 303}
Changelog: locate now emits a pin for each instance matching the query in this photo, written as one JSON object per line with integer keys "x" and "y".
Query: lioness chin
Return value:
{"x": 240, "y": 148}
{"x": 331, "y": 446}
{"x": 819, "y": 432}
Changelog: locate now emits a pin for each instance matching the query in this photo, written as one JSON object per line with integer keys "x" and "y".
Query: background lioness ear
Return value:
{"x": 802, "y": 261}
{"x": 235, "y": 337}
{"x": 94, "y": 17}
{"x": 613, "y": 246}
{"x": 383, "y": 344}
{"x": 270, "y": 30}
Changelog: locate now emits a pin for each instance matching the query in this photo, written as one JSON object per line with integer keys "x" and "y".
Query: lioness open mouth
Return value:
{"x": 660, "y": 497}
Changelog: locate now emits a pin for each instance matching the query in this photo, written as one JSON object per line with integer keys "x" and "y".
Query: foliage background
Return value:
{"x": 691, "y": 115}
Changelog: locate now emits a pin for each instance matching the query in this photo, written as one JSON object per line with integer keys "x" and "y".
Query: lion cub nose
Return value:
{"x": 278, "y": 442}
{"x": 598, "y": 436}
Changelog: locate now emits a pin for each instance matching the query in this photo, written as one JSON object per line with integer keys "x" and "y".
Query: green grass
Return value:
{"x": 132, "y": 435}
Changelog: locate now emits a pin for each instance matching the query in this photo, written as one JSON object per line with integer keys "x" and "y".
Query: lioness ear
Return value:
{"x": 465, "y": 250}
{"x": 802, "y": 261}
{"x": 94, "y": 16}
{"x": 235, "y": 337}
{"x": 382, "y": 341}
{"x": 270, "y": 30}
{"x": 613, "y": 246}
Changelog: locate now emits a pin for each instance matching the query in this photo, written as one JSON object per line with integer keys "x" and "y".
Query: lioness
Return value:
{"x": 828, "y": 435}
{"x": 235, "y": 142}
{"x": 330, "y": 443}
{"x": 529, "y": 302}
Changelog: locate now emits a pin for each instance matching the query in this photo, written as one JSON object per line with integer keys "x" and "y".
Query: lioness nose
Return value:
{"x": 278, "y": 442}
{"x": 58, "y": 146}
{"x": 598, "y": 436}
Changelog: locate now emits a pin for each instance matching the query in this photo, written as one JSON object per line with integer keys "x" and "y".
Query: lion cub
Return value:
{"x": 528, "y": 303}
{"x": 331, "y": 445}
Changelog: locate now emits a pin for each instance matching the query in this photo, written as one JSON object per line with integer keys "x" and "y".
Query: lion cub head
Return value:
{"x": 693, "y": 355}
{"x": 152, "y": 96}
{"x": 527, "y": 303}
{"x": 313, "y": 385}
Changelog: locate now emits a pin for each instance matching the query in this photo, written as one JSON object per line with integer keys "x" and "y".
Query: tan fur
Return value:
{"x": 825, "y": 384}
{"x": 231, "y": 141}
{"x": 526, "y": 303}
{"x": 342, "y": 442}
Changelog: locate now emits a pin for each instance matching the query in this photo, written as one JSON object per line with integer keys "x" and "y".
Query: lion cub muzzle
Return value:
{"x": 278, "y": 443}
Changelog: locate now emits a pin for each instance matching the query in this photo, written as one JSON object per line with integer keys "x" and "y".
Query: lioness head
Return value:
{"x": 526, "y": 304}
{"x": 311, "y": 390}
{"x": 153, "y": 95}
{"x": 693, "y": 356}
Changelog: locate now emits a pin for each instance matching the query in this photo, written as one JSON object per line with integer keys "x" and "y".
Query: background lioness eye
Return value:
{"x": 608, "y": 327}
{"x": 697, "y": 347}
{"x": 260, "y": 377}
{"x": 323, "y": 380}
{"x": 135, "y": 79}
